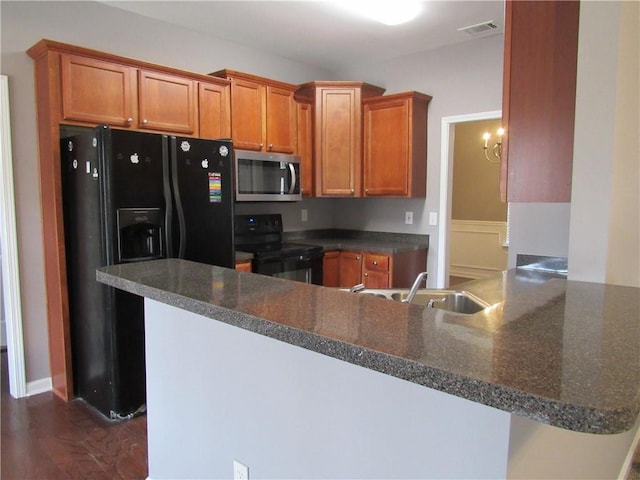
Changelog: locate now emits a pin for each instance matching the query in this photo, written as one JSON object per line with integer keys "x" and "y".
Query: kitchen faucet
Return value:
{"x": 414, "y": 288}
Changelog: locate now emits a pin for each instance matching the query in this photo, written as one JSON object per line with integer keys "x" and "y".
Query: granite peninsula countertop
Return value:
{"x": 560, "y": 352}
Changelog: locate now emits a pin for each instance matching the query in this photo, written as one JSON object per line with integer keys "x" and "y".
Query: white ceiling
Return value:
{"x": 319, "y": 32}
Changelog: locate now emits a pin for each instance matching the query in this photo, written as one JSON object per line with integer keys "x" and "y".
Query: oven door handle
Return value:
{"x": 288, "y": 258}
{"x": 294, "y": 179}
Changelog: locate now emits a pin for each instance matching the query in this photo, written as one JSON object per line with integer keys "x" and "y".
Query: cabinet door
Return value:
{"x": 166, "y": 102}
{"x": 280, "y": 120}
{"x": 350, "y": 268}
{"x": 246, "y": 114}
{"x": 375, "y": 270}
{"x": 395, "y": 145}
{"x": 96, "y": 91}
{"x": 244, "y": 266}
{"x": 214, "y": 111}
{"x": 538, "y": 108}
{"x": 386, "y": 148}
{"x": 375, "y": 279}
{"x": 305, "y": 147}
{"x": 338, "y": 137}
{"x": 331, "y": 269}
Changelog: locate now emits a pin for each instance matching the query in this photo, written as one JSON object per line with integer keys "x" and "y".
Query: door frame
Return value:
{"x": 9, "y": 244}
{"x": 446, "y": 185}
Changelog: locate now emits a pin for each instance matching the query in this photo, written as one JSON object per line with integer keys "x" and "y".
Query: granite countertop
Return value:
{"x": 339, "y": 239}
{"x": 559, "y": 352}
{"x": 355, "y": 240}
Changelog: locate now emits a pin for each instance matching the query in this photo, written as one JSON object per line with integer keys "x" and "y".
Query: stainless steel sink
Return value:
{"x": 456, "y": 301}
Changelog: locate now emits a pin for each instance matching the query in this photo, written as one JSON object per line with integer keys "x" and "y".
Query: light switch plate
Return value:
{"x": 433, "y": 218}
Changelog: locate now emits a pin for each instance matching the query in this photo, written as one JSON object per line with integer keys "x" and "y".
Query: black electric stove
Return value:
{"x": 262, "y": 235}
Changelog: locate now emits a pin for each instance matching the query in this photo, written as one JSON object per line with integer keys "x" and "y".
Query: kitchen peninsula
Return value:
{"x": 300, "y": 381}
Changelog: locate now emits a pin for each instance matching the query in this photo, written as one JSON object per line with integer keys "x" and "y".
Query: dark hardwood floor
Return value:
{"x": 46, "y": 438}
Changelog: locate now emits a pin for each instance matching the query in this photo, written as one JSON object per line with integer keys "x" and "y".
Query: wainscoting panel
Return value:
{"x": 477, "y": 248}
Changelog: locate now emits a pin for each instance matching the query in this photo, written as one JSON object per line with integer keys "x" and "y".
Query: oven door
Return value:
{"x": 300, "y": 268}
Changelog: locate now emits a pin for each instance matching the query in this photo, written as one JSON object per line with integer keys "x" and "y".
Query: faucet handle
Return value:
{"x": 357, "y": 288}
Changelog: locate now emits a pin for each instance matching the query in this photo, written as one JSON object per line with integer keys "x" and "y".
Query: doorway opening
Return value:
{"x": 464, "y": 242}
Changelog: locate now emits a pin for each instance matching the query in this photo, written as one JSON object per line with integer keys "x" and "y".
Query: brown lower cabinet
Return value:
{"x": 244, "y": 266}
{"x": 374, "y": 269}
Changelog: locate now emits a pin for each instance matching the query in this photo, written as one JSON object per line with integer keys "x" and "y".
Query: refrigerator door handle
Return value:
{"x": 168, "y": 207}
{"x": 182, "y": 241}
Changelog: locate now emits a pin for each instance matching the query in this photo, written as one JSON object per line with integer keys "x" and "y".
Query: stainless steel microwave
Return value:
{"x": 267, "y": 177}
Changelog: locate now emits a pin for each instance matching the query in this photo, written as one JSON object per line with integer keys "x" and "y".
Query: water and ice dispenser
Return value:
{"x": 140, "y": 234}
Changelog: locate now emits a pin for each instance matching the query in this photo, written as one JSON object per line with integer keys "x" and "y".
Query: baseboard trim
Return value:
{"x": 39, "y": 386}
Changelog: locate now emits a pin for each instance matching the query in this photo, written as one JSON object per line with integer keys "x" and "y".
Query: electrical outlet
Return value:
{"x": 304, "y": 215}
{"x": 408, "y": 218}
{"x": 240, "y": 471}
{"x": 433, "y": 218}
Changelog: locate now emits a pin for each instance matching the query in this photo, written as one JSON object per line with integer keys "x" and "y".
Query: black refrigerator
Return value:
{"x": 130, "y": 197}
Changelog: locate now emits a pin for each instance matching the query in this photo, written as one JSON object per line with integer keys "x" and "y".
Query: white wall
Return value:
{"x": 97, "y": 26}
{"x": 288, "y": 412}
{"x": 462, "y": 79}
{"x": 605, "y": 204}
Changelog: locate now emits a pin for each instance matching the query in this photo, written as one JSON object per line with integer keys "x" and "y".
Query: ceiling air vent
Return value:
{"x": 479, "y": 28}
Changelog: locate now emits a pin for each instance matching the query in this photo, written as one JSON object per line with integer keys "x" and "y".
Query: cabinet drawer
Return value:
{"x": 378, "y": 263}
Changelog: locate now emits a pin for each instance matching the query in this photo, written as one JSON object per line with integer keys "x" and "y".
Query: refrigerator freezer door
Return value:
{"x": 135, "y": 181}
{"x": 202, "y": 182}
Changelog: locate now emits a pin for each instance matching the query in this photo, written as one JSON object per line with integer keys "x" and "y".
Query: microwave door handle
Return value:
{"x": 293, "y": 178}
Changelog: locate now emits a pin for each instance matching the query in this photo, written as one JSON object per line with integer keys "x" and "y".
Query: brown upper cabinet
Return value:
{"x": 304, "y": 147}
{"x": 395, "y": 145}
{"x": 263, "y": 113}
{"x": 167, "y": 102}
{"x": 100, "y": 90}
{"x": 337, "y": 134}
{"x": 539, "y": 93}
{"x": 83, "y": 77}
{"x": 214, "y": 110}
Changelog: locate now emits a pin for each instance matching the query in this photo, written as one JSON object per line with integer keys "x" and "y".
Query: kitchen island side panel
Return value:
{"x": 218, "y": 393}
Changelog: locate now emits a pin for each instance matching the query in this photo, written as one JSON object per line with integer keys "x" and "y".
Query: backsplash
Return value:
{"x": 541, "y": 263}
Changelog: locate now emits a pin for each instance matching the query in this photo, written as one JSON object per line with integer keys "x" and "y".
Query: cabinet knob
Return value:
{"x": 375, "y": 263}
{"x": 357, "y": 258}
{"x": 366, "y": 274}
{"x": 261, "y": 145}
{"x": 130, "y": 120}
{"x": 366, "y": 190}
{"x": 352, "y": 191}
{"x": 270, "y": 146}
{"x": 145, "y": 121}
